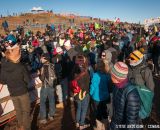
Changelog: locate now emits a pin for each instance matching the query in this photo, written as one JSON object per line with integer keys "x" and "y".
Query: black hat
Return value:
{"x": 46, "y": 56}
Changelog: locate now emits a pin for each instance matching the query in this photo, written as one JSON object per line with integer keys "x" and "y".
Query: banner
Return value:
{"x": 151, "y": 21}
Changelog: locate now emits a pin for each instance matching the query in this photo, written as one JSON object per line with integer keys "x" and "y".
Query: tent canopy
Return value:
{"x": 34, "y": 9}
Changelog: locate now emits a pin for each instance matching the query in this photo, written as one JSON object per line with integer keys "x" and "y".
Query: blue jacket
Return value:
{"x": 99, "y": 86}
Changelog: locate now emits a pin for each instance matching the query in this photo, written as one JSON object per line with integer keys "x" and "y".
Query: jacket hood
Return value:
{"x": 108, "y": 56}
{"x": 142, "y": 64}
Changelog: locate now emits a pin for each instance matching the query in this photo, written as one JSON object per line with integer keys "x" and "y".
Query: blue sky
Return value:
{"x": 126, "y": 10}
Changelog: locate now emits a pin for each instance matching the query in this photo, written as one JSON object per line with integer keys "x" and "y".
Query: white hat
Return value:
{"x": 67, "y": 43}
{"x": 11, "y": 32}
{"x": 10, "y": 41}
{"x": 9, "y": 47}
{"x": 59, "y": 49}
{"x": 54, "y": 43}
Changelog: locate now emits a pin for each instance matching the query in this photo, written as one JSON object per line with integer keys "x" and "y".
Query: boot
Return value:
{"x": 105, "y": 124}
{"x": 60, "y": 105}
{"x": 20, "y": 128}
{"x": 99, "y": 125}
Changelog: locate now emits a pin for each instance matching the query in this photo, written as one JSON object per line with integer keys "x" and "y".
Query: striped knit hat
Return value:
{"x": 119, "y": 72}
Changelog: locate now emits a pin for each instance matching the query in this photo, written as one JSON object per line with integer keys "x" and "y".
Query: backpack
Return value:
{"x": 52, "y": 81}
{"x": 146, "y": 96}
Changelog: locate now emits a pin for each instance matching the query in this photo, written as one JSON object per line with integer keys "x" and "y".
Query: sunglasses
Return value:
{"x": 103, "y": 55}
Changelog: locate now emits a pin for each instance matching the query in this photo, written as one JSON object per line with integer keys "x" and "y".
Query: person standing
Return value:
{"x": 48, "y": 77}
{"x": 15, "y": 75}
{"x": 82, "y": 98}
{"x": 57, "y": 60}
{"x": 126, "y": 103}
{"x": 99, "y": 91}
{"x": 68, "y": 62}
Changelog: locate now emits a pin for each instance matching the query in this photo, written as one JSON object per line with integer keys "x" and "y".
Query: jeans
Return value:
{"x": 22, "y": 107}
{"x": 82, "y": 107}
{"x": 47, "y": 92}
{"x": 59, "y": 93}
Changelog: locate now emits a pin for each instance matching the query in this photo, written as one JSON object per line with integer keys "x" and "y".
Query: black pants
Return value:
{"x": 100, "y": 110}
{"x": 156, "y": 64}
{"x": 22, "y": 107}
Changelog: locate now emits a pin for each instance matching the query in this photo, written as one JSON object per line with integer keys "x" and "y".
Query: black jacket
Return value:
{"x": 57, "y": 61}
{"x": 125, "y": 107}
{"x": 68, "y": 61}
{"x": 15, "y": 76}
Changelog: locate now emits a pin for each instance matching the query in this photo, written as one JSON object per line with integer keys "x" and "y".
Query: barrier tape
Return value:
{"x": 7, "y": 121}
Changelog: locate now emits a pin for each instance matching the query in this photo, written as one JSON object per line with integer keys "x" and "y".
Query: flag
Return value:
{"x": 97, "y": 26}
{"x": 155, "y": 28}
{"x": 118, "y": 20}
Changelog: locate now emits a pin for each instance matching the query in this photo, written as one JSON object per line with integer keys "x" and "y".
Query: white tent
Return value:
{"x": 37, "y": 9}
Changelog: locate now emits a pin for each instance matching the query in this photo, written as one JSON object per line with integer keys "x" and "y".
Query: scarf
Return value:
{"x": 122, "y": 84}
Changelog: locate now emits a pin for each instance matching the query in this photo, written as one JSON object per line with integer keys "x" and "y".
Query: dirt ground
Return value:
{"x": 65, "y": 118}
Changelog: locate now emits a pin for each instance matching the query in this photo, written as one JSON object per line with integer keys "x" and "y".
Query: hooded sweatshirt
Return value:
{"x": 15, "y": 76}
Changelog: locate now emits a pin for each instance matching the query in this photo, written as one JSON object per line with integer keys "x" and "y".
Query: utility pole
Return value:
{"x": 140, "y": 28}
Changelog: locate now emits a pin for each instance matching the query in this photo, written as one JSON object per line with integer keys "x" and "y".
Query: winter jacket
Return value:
{"x": 141, "y": 75}
{"x": 68, "y": 62}
{"x": 57, "y": 61}
{"x": 84, "y": 81}
{"x": 126, "y": 107}
{"x": 156, "y": 49}
{"x": 48, "y": 75}
{"x": 15, "y": 76}
{"x": 81, "y": 75}
{"x": 99, "y": 86}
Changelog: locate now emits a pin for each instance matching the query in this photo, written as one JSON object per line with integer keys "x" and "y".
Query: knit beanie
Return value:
{"x": 119, "y": 72}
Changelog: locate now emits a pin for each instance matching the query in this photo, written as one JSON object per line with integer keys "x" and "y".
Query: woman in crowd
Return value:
{"x": 100, "y": 94}
{"x": 126, "y": 104}
{"x": 81, "y": 94}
